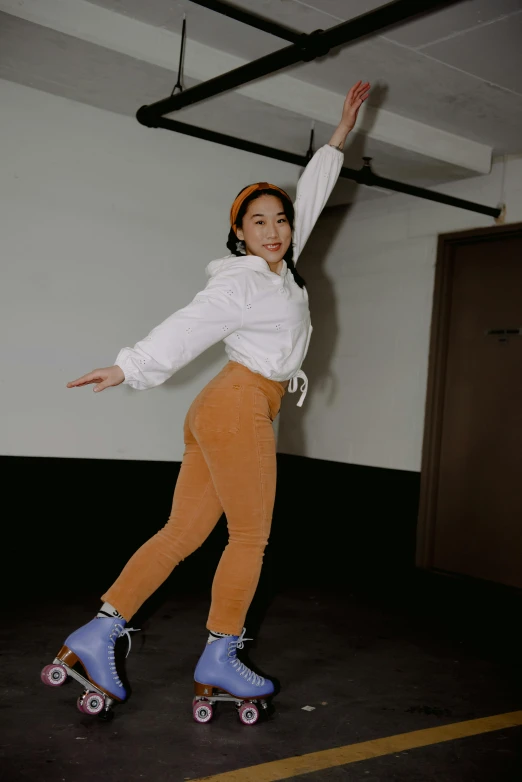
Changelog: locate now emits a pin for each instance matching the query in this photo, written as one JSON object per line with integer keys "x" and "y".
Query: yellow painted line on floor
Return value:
{"x": 353, "y": 753}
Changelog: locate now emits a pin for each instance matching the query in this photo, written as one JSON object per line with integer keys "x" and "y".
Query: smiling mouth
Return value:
{"x": 272, "y": 247}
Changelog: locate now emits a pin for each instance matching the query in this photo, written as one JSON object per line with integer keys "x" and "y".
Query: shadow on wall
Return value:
{"x": 324, "y": 306}
{"x": 324, "y": 310}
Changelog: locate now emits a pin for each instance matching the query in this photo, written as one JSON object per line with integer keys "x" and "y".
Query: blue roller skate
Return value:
{"x": 221, "y": 676}
{"x": 92, "y": 648}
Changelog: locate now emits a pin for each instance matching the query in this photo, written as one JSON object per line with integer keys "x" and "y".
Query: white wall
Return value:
{"x": 106, "y": 228}
{"x": 370, "y": 271}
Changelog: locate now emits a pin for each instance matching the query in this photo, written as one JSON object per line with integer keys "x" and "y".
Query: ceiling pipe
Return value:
{"x": 364, "y": 175}
{"x": 308, "y": 48}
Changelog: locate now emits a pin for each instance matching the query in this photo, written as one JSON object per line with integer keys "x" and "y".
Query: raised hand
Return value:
{"x": 353, "y": 102}
{"x": 104, "y": 378}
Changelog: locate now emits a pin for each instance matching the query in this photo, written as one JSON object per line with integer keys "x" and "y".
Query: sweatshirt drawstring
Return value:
{"x": 293, "y": 386}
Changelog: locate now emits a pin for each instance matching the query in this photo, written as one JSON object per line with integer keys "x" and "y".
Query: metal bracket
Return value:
{"x": 179, "y": 84}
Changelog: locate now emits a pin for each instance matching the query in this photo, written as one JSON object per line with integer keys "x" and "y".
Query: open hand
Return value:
{"x": 353, "y": 102}
{"x": 104, "y": 378}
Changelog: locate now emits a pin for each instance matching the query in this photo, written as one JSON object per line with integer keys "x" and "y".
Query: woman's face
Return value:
{"x": 266, "y": 230}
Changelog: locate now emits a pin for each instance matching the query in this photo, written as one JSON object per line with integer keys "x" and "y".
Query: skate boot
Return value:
{"x": 91, "y": 649}
{"x": 221, "y": 676}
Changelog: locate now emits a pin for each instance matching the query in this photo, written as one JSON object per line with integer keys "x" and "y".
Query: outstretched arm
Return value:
{"x": 215, "y": 313}
{"x": 322, "y": 172}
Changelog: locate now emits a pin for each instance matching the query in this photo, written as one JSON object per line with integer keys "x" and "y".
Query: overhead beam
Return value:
{"x": 253, "y": 20}
{"x": 308, "y": 48}
{"x": 364, "y": 175}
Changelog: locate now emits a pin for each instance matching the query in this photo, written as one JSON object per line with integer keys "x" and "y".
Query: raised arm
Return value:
{"x": 322, "y": 172}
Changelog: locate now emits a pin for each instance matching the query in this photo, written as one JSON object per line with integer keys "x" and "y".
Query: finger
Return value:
{"x": 361, "y": 98}
{"x": 90, "y": 377}
{"x": 101, "y": 386}
{"x": 362, "y": 89}
{"x": 351, "y": 92}
{"x": 356, "y": 97}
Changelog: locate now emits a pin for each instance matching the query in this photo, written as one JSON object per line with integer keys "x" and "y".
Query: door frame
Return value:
{"x": 437, "y": 365}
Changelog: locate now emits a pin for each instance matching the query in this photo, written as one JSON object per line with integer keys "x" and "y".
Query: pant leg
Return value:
{"x": 195, "y": 511}
{"x": 233, "y": 425}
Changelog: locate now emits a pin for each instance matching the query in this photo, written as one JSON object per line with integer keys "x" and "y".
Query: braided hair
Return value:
{"x": 288, "y": 208}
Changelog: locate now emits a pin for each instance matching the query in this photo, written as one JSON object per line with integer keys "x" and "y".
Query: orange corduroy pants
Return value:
{"x": 229, "y": 465}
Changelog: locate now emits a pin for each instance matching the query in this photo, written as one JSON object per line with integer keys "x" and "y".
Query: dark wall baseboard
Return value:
{"x": 72, "y": 524}
{"x": 340, "y": 519}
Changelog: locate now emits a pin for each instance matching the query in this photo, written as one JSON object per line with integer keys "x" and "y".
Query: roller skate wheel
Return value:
{"x": 202, "y": 711}
{"x": 248, "y": 713}
{"x": 53, "y": 675}
{"x": 92, "y": 703}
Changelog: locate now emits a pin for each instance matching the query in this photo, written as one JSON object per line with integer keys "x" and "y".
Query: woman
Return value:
{"x": 256, "y": 302}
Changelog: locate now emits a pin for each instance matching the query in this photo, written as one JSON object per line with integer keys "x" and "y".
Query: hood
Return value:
{"x": 233, "y": 262}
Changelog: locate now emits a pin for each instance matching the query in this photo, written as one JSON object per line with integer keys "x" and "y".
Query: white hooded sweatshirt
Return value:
{"x": 262, "y": 317}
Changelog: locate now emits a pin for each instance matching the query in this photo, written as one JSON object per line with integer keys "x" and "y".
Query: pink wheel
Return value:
{"x": 202, "y": 711}
{"x": 248, "y": 713}
{"x": 53, "y": 675}
{"x": 92, "y": 703}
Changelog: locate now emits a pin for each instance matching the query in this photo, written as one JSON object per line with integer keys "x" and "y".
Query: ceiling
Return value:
{"x": 457, "y": 71}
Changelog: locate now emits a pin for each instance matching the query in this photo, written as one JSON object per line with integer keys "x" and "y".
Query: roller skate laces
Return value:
{"x": 118, "y": 631}
{"x": 242, "y": 669}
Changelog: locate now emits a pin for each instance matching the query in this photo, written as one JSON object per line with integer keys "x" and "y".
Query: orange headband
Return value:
{"x": 236, "y": 206}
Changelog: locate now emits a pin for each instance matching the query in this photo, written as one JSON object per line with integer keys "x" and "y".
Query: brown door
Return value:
{"x": 471, "y": 507}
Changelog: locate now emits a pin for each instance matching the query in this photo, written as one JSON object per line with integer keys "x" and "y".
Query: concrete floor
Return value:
{"x": 373, "y": 664}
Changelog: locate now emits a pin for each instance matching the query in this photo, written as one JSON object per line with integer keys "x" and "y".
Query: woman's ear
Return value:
{"x": 240, "y": 235}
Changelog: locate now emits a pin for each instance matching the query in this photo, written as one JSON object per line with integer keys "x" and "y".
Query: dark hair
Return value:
{"x": 288, "y": 208}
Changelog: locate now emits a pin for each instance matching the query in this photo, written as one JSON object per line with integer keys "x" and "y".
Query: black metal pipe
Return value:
{"x": 364, "y": 175}
{"x": 251, "y": 19}
{"x": 420, "y": 192}
{"x": 308, "y": 48}
{"x": 225, "y": 140}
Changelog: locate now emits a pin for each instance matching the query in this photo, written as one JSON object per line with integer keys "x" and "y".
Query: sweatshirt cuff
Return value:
{"x": 123, "y": 361}
{"x": 335, "y": 149}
